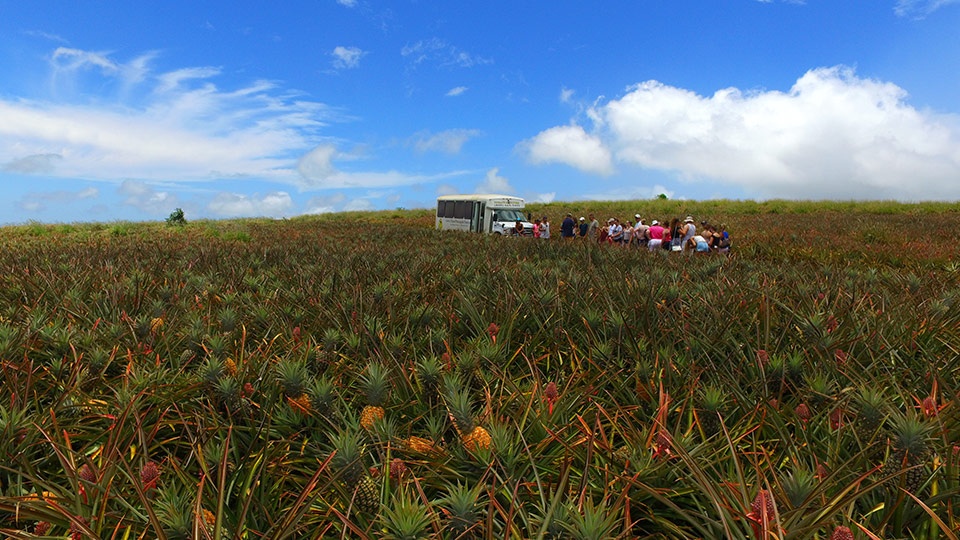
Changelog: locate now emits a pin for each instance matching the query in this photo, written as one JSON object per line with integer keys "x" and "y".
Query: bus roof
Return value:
{"x": 492, "y": 199}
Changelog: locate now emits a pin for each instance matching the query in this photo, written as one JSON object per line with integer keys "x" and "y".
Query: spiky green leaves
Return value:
{"x": 376, "y": 384}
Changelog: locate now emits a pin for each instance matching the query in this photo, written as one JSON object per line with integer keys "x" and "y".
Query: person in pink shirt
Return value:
{"x": 656, "y": 235}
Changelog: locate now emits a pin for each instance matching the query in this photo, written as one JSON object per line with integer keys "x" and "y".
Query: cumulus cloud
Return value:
{"x": 918, "y": 9}
{"x": 324, "y": 204}
{"x": 276, "y": 204}
{"x": 448, "y": 142}
{"x": 358, "y": 205}
{"x": 832, "y": 135}
{"x": 494, "y": 183}
{"x": 544, "y": 198}
{"x": 570, "y": 145}
{"x": 146, "y": 198}
{"x": 459, "y": 90}
{"x": 346, "y": 57}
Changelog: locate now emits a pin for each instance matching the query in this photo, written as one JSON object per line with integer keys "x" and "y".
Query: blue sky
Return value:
{"x": 128, "y": 110}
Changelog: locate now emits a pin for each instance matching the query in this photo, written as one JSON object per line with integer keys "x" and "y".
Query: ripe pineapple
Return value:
{"x": 420, "y": 445}
{"x": 230, "y": 367}
{"x": 376, "y": 386}
{"x": 909, "y": 438}
{"x": 474, "y": 437}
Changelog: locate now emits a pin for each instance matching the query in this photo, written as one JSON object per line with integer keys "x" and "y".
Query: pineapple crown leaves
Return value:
{"x": 376, "y": 384}
{"x": 347, "y": 456}
{"x": 461, "y": 410}
{"x": 594, "y": 521}
{"x": 712, "y": 398}
{"x": 460, "y": 505}
{"x": 406, "y": 519}
{"x": 293, "y": 377}
{"x": 429, "y": 370}
{"x": 910, "y": 434}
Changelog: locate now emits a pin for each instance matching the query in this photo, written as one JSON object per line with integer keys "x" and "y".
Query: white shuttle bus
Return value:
{"x": 492, "y": 214}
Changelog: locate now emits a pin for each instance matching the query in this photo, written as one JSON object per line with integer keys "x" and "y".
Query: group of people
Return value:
{"x": 676, "y": 235}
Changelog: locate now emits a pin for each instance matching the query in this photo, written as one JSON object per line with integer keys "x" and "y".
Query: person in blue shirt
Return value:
{"x": 566, "y": 228}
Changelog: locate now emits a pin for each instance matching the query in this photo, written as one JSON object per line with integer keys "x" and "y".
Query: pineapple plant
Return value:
{"x": 294, "y": 380}
{"x": 461, "y": 508}
{"x": 347, "y": 463}
{"x": 406, "y": 518}
{"x": 323, "y": 398}
{"x": 474, "y": 438}
{"x": 871, "y": 411}
{"x": 909, "y": 448}
{"x": 376, "y": 386}
{"x": 710, "y": 410}
{"x": 428, "y": 375}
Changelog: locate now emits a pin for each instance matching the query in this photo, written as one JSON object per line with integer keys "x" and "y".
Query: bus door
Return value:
{"x": 476, "y": 223}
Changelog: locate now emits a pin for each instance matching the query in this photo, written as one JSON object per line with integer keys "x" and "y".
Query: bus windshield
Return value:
{"x": 509, "y": 215}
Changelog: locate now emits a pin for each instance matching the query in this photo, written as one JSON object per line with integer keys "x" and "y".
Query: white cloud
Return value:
{"x": 918, "y": 9}
{"x": 441, "y": 53}
{"x": 317, "y": 165}
{"x": 276, "y": 204}
{"x": 566, "y": 95}
{"x": 449, "y": 141}
{"x": 446, "y": 189}
{"x": 833, "y": 135}
{"x": 570, "y": 145}
{"x": 347, "y": 3}
{"x": 544, "y": 197}
{"x": 33, "y": 164}
{"x": 38, "y": 201}
{"x": 494, "y": 183}
{"x": 457, "y": 91}
{"x": 68, "y": 59}
{"x": 145, "y": 198}
{"x": 317, "y": 171}
{"x": 358, "y": 205}
{"x": 180, "y": 125}
{"x": 324, "y": 204}
{"x": 347, "y": 57}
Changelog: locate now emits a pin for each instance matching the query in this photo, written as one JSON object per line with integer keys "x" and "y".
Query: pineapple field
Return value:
{"x": 365, "y": 376}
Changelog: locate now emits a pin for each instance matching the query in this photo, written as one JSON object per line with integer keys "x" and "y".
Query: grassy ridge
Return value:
{"x": 183, "y": 382}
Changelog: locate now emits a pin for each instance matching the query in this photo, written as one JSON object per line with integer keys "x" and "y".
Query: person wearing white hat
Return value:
{"x": 687, "y": 231}
{"x": 584, "y": 227}
{"x": 640, "y": 233}
{"x": 655, "y": 233}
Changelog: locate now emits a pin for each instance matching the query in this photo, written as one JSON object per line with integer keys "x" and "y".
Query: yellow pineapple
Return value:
{"x": 474, "y": 437}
